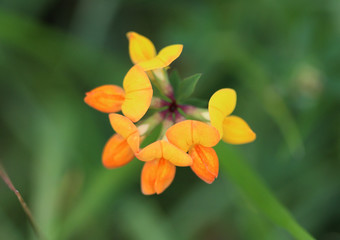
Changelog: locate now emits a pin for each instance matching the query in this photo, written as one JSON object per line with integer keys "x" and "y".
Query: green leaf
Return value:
{"x": 187, "y": 86}
{"x": 257, "y": 192}
{"x": 157, "y": 93}
{"x": 175, "y": 80}
{"x": 201, "y": 103}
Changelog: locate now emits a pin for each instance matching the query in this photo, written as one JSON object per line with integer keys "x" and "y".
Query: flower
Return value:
{"x": 232, "y": 129}
{"x": 121, "y": 147}
{"x": 133, "y": 100}
{"x": 117, "y": 152}
{"x": 158, "y": 172}
{"x": 125, "y": 128}
{"x": 106, "y": 98}
{"x": 143, "y": 52}
{"x": 197, "y": 138}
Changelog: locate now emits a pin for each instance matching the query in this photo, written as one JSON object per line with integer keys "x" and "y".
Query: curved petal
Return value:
{"x": 175, "y": 155}
{"x": 187, "y": 133}
{"x": 156, "y": 176}
{"x": 164, "y": 58}
{"x": 117, "y": 152}
{"x": 140, "y": 48}
{"x": 221, "y": 104}
{"x": 138, "y": 93}
{"x": 106, "y": 98}
{"x": 163, "y": 149}
{"x": 124, "y": 127}
{"x": 205, "y": 164}
{"x": 237, "y": 131}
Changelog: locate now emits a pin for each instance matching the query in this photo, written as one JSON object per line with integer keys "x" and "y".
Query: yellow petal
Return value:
{"x": 164, "y": 58}
{"x": 205, "y": 163}
{"x": 124, "y": 127}
{"x": 221, "y": 104}
{"x": 140, "y": 48}
{"x": 163, "y": 149}
{"x": 237, "y": 131}
{"x": 138, "y": 93}
{"x": 187, "y": 133}
{"x": 156, "y": 176}
{"x": 117, "y": 152}
{"x": 106, "y": 98}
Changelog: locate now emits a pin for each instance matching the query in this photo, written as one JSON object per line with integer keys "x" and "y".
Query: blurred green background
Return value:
{"x": 283, "y": 59}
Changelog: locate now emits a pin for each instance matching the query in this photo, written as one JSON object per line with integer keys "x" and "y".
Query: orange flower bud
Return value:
{"x": 117, "y": 152}
{"x": 156, "y": 176}
{"x": 106, "y": 98}
{"x": 205, "y": 163}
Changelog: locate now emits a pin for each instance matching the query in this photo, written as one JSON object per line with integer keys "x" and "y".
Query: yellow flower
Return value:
{"x": 232, "y": 129}
{"x": 143, "y": 52}
{"x": 158, "y": 172}
{"x": 133, "y": 100}
{"x": 197, "y": 138}
{"x": 125, "y": 128}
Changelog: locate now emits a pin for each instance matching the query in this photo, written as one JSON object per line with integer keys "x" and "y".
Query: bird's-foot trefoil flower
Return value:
{"x": 232, "y": 129}
{"x": 133, "y": 100}
{"x": 197, "y": 138}
{"x": 158, "y": 172}
{"x": 143, "y": 53}
{"x": 150, "y": 98}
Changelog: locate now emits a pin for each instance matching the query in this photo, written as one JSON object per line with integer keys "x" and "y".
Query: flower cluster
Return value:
{"x": 149, "y": 98}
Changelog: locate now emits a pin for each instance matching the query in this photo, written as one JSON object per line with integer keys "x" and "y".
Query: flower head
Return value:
{"x": 188, "y": 133}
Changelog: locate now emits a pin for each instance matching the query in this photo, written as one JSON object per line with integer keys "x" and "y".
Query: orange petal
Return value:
{"x": 106, "y": 98}
{"x": 138, "y": 93}
{"x": 156, "y": 176}
{"x": 117, "y": 152}
{"x": 221, "y": 104}
{"x": 164, "y": 58}
{"x": 163, "y": 149}
{"x": 205, "y": 163}
{"x": 140, "y": 48}
{"x": 124, "y": 127}
{"x": 237, "y": 131}
{"x": 187, "y": 133}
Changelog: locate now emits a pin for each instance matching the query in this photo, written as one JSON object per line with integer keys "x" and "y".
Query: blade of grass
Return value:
{"x": 257, "y": 192}
{"x": 22, "y": 202}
